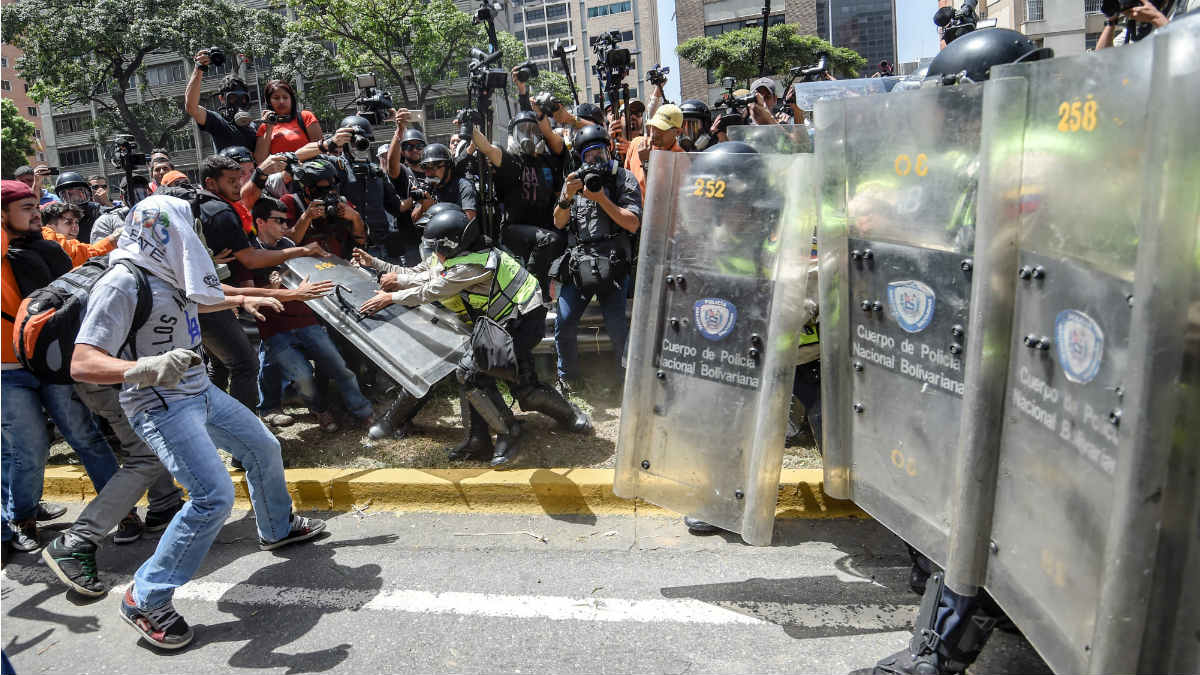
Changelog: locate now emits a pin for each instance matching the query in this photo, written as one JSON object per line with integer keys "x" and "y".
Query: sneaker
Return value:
{"x": 129, "y": 530}
{"x": 302, "y": 529}
{"x": 25, "y": 535}
{"x": 47, "y": 512}
{"x": 276, "y": 418}
{"x": 75, "y": 564}
{"x": 326, "y": 422}
{"x": 157, "y": 521}
{"x": 162, "y": 626}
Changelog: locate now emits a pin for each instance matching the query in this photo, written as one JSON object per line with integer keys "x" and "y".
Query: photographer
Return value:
{"x": 695, "y": 134}
{"x": 318, "y": 213}
{"x": 525, "y": 177}
{"x": 438, "y": 166}
{"x": 766, "y": 91}
{"x": 368, "y": 188}
{"x": 1139, "y": 21}
{"x": 600, "y": 207}
{"x": 230, "y": 124}
{"x": 285, "y": 127}
{"x": 664, "y": 135}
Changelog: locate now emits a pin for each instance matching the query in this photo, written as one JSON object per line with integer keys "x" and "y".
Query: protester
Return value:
{"x": 664, "y": 135}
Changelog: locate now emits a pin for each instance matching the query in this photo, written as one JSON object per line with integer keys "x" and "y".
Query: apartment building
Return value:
{"x": 1069, "y": 27}
{"x": 14, "y": 88}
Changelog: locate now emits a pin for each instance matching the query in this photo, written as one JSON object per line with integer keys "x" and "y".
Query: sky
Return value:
{"x": 915, "y": 33}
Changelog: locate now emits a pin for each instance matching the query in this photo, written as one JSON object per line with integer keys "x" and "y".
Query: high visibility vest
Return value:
{"x": 514, "y": 285}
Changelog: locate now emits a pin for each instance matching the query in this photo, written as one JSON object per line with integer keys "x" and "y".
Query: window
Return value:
{"x": 166, "y": 74}
{"x": 5, "y": 85}
{"x": 537, "y": 33}
{"x": 73, "y": 124}
{"x": 1090, "y": 40}
{"x": 1092, "y": 7}
{"x": 738, "y": 24}
{"x": 32, "y": 111}
{"x": 26, "y": 85}
{"x": 517, "y": 17}
{"x": 520, "y": 35}
{"x": 535, "y": 15}
{"x": 182, "y": 140}
{"x": 627, "y": 36}
{"x": 605, "y": 10}
{"x": 4, "y": 61}
{"x": 1034, "y": 10}
{"x": 556, "y": 12}
{"x": 84, "y": 154}
{"x": 557, "y": 30}
{"x": 538, "y": 52}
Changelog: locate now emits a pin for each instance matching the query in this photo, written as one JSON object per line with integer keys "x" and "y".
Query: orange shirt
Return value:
{"x": 634, "y": 163}
{"x": 79, "y": 251}
{"x": 290, "y": 136}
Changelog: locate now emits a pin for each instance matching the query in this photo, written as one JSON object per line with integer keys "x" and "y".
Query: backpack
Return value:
{"x": 49, "y": 319}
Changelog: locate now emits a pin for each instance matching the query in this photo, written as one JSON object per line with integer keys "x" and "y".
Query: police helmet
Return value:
{"x": 316, "y": 170}
{"x": 725, "y": 185}
{"x": 973, "y": 54}
{"x": 413, "y": 136}
{"x": 590, "y": 111}
{"x": 72, "y": 188}
{"x": 589, "y": 137}
{"x": 238, "y": 153}
{"x": 359, "y": 123}
{"x": 435, "y": 152}
{"x": 694, "y": 108}
{"x": 451, "y": 233}
{"x": 440, "y": 207}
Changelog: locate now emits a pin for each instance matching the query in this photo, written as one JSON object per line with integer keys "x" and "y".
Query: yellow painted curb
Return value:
{"x": 554, "y": 491}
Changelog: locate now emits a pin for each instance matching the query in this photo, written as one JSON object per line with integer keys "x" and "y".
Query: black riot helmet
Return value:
{"x": 238, "y": 153}
{"x": 72, "y": 188}
{"x": 435, "y": 152}
{"x": 316, "y": 170}
{"x": 694, "y": 108}
{"x": 363, "y": 131}
{"x": 588, "y": 137}
{"x": 413, "y": 136}
{"x": 971, "y": 56}
{"x": 590, "y": 111}
{"x": 450, "y": 233}
{"x": 439, "y": 207}
{"x": 726, "y": 186}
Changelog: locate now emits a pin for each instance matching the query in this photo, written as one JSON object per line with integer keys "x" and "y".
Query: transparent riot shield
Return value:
{"x": 809, "y": 93}
{"x": 716, "y": 324}
{"x": 782, "y": 139}
{"x": 1095, "y": 347}
{"x": 416, "y": 347}
{"x": 896, "y": 241}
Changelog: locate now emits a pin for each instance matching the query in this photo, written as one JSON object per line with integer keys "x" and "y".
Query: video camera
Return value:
{"x": 736, "y": 105}
{"x": 372, "y": 103}
{"x": 124, "y": 155}
{"x": 812, "y": 73}
{"x": 216, "y": 57}
{"x": 612, "y": 62}
{"x": 547, "y": 103}
{"x": 657, "y": 76}
{"x": 957, "y": 23}
{"x": 482, "y": 76}
{"x": 527, "y": 71}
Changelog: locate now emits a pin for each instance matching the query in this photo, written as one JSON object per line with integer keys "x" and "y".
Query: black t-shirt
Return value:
{"x": 528, "y": 188}
{"x": 459, "y": 192}
{"x": 226, "y": 134}
{"x": 222, "y": 229}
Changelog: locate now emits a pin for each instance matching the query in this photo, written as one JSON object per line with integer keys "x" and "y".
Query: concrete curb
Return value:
{"x": 552, "y": 491}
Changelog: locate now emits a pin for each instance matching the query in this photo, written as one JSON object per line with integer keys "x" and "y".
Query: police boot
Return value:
{"x": 397, "y": 421}
{"x": 545, "y": 400}
{"x": 491, "y": 407}
{"x": 477, "y": 444}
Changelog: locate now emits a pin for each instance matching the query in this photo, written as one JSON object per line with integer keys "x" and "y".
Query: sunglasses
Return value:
{"x": 435, "y": 165}
{"x": 409, "y": 147}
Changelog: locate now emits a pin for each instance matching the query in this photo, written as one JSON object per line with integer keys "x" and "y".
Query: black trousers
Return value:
{"x": 538, "y": 247}
{"x": 236, "y": 360}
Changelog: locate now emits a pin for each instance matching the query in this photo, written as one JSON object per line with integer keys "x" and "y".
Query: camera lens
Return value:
{"x": 593, "y": 182}
{"x": 361, "y": 142}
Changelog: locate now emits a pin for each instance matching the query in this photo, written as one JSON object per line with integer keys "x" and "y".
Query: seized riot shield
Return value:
{"x": 1102, "y": 352}
{"x": 717, "y": 319}
{"x": 809, "y": 93}
{"x": 416, "y": 346}
{"x": 896, "y": 241}
{"x": 782, "y": 139}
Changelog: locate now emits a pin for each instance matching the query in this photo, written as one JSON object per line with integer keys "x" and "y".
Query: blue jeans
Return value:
{"x": 27, "y": 441}
{"x": 571, "y": 305}
{"x": 291, "y": 352}
{"x": 185, "y": 436}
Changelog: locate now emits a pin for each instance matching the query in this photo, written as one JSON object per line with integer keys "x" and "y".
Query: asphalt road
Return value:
{"x": 434, "y": 593}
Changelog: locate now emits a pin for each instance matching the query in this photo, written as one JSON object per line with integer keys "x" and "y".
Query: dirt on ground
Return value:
{"x": 438, "y": 427}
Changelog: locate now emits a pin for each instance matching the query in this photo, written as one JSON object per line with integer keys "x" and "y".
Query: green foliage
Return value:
{"x": 555, "y": 83}
{"x": 87, "y": 51}
{"x": 735, "y": 54}
{"x": 16, "y": 138}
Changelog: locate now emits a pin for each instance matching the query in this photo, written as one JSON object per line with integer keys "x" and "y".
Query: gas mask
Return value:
{"x": 691, "y": 130}
{"x": 236, "y": 100}
{"x": 527, "y": 139}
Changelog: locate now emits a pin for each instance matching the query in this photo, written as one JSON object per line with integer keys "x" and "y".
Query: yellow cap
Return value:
{"x": 667, "y": 117}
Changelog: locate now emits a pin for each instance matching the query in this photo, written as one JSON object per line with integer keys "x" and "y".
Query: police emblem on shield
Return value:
{"x": 912, "y": 304}
{"x": 715, "y": 317}
{"x": 1079, "y": 345}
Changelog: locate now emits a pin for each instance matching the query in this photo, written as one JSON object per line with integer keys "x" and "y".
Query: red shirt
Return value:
{"x": 290, "y": 136}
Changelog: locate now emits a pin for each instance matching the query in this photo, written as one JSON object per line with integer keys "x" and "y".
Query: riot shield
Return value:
{"x": 716, "y": 324}
{"x": 416, "y": 347}
{"x": 896, "y": 238}
{"x": 1091, "y": 405}
{"x": 782, "y": 139}
{"x": 809, "y": 93}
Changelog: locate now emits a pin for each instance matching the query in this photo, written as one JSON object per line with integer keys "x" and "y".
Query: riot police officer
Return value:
{"x": 951, "y": 629}
{"x": 695, "y": 135}
{"x": 480, "y": 283}
{"x": 73, "y": 189}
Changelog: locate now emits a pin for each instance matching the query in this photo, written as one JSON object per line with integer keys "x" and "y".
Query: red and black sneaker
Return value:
{"x": 302, "y": 529}
{"x": 162, "y": 626}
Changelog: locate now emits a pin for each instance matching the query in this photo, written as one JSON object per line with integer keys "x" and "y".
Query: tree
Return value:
{"x": 547, "y": 80}
{"x": 16, "y": 138}
{"x": 735, "y": 54}
{"x": 80, "y": 52}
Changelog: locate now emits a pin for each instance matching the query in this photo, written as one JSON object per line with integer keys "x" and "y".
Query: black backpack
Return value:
{"x": 49, "y": 319}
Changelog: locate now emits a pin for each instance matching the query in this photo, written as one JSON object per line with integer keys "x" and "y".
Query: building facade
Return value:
{"x": 866, "y": 26}
{"x": 1069, "y": 27}
{"x": 694, "y": 18}
{"x": 16, "y": 89}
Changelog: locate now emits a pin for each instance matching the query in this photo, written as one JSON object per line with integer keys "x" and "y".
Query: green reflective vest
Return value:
{"x": 513, "y": 286}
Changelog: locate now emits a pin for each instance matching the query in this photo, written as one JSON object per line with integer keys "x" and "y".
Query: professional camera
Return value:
{"x": 419, "y": 190}
{"x": 124, "y": 155}
{"x": 372, "y": 103}
{"x": 275, "y": 118}
{"x": 957, "y": 23}
{"x": 596, "y": 175}
{"x": 482, "y": 76}
{"x": 611, "y": 59}
{"x": 815, "y": 72}
{"x": 527, "y": 71}
{"x": 657, "y": 76}
{"x": 735, "y": 104}
{"x": 547, "y": 103}
{"x": 216, "y": 57}
{"x": 1111, "y": 8}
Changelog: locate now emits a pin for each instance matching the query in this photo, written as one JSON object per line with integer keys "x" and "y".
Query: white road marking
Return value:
{"x": 870, "y": 617}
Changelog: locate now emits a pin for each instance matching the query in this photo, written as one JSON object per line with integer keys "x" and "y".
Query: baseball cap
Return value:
{"x": 14, "y": 190}
{"x": 22, "y": 171}
{"x": 383, "y": 150}
{"x": 636, "y": 107}
{"x": 589, "y": 111}
{"x": 765, "y": 82}
{"x": 170, "y": 177}
{"x": 667, "y": 117}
